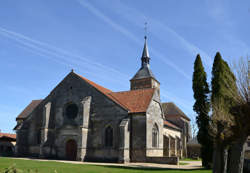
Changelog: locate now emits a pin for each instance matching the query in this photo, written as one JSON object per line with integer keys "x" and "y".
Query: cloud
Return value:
{"x": 185, "y": 105}
{"x": 158, "y": 28}
{"x": 71, "y": 60}
{"x": 65, "y": 58}
{"x": 131, "y": 36}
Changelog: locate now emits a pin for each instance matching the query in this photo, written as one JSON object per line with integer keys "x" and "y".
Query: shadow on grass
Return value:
{"x": 145, "y": 168}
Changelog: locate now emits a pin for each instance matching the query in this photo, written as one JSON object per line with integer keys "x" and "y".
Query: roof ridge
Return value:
{"x": 100, "y": 88}
{"x": 133, "y": 90}
{"x": 93, "y": 83}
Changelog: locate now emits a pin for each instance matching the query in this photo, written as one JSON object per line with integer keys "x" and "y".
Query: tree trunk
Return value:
{"x": 236, "y": 156}
{"x": 225, "y": 156}
{"x": 219, "y": 159}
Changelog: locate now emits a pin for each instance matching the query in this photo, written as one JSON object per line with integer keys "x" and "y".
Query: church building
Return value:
{"x": 81, "y": 120}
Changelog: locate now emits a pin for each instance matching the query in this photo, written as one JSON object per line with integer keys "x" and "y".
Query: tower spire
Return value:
{"x": 145, "y": 55}
{"x": 144, "y": 77}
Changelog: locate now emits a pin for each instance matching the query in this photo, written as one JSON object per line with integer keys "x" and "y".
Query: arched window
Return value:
{"x": 155, "y": 136}
{"x": 109, "y": 137}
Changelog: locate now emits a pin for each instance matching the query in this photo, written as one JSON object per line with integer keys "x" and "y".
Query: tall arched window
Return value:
{"x": 155, "y": 136}
{"x": 109, "y": 136}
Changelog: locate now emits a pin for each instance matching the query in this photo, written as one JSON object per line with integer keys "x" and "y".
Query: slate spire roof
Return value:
{"x": 145, "y": 49}
{"x": 144, "y": 71}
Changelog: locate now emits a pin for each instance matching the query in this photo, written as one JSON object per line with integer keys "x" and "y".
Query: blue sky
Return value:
{"x": 42, "y": 40}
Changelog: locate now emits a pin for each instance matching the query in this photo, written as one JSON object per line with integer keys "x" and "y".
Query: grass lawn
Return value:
{"x": 189, "y": 159}
{"x": 50, "y": 167}
{"x": 182, "y": 163}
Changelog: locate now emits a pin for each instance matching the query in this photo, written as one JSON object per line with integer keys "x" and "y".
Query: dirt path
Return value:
{"x": 188, "y": 164}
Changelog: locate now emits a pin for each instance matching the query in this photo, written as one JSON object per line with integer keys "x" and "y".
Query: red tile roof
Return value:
{"x": 33, "y": 104}
{"x": 134, "y": 101}
{"x": 167, "y": 123}
{"x": 8, "y": 135}
{"x": 99, "y": 87}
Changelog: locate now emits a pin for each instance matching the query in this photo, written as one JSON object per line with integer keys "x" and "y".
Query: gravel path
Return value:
{"x": 189, "y": 165}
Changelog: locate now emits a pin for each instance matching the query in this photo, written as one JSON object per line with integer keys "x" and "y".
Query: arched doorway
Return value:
{"x": 71, "y": 149}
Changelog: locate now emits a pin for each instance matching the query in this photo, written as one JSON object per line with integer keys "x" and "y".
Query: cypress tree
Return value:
{"x": 223, "y": 90}
{"x": 201, "y": 107}
{"x": 223, "y": 83}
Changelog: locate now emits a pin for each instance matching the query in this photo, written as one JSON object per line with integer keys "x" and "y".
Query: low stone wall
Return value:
{"x": 164, "y": 160}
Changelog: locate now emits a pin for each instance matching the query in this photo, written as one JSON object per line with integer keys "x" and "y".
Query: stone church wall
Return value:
{"x": 55, "y": 129}
{"x": 138, "y": 138}
{"x": 154, "y": 117}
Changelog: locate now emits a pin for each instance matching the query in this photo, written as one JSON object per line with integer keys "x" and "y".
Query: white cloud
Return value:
{"x": 65, "y": 58}
{"x": 131, "y": 36}
{"x": 158, "y": 28}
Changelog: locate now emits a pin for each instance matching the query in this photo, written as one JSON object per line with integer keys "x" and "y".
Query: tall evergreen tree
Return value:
{"x": 223, "y": 88}
{"x": 201, "y": 107}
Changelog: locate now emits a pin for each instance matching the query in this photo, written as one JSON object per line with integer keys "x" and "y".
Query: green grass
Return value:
{"x": 189, "y": 159}
{"x": 51, "y": 166}
{"x": 183, "y": 163}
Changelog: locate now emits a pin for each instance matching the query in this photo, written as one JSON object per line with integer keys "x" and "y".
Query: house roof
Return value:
{"x": 7, "y": 135}
{"x": 168, "y": 124}
{"x": 134, "y": 101}
{"x": 33, "y": 104}
{"x": 170, "y": 109}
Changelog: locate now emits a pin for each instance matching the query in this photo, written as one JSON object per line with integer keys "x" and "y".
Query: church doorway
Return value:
{"x": 71, "y": 149}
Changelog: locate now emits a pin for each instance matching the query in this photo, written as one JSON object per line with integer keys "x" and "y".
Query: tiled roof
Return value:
{"x": 99, "y": 87}
{"x": 170, "y": 109}
{"x": 28, "y": 109}
{"x": 8, "y": 135}
{"x": 167, "y": 123}
{"x": 135, "y": 100}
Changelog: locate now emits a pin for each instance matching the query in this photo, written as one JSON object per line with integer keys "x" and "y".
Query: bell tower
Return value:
{"x": 144, "y": 78}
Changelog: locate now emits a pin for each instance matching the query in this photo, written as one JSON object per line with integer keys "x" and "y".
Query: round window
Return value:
{"x": 71, "y": 111}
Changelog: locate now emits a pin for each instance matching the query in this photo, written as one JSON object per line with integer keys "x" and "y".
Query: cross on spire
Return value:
{"x": 145, "y": 29}
{"x": 145, "y": 55}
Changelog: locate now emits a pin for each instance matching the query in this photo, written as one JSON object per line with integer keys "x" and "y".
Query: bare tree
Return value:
{"x": 194, "y": 128}
{"x": 241, "y": 114}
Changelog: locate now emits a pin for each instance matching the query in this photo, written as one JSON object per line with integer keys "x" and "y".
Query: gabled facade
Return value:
{"x": 81, "y": 120}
